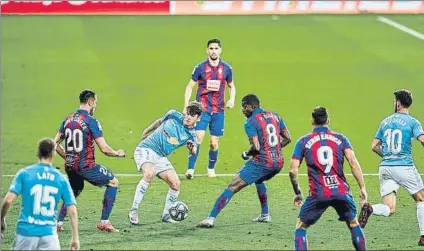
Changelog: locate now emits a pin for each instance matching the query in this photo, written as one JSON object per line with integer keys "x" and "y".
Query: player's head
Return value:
{"x": 88, "y": 100}
{"x": 46, "y": 149}
{"x": 403, "y": 99}
{"x": 249, "y": 103}
{"x": 320, "y": 116}
{"x": 193, "y": 112}
{"x": 214, "y": 49}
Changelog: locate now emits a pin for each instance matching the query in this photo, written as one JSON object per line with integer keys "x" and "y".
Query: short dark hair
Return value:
{"x": 404, "y": 97}
{"x": 46, "y": 148}
{"x": 251, "y": 99}
{"x": 86, "y": 95}
{"x": 194, "y": 108}
{"x": 320, "y": 115}
{"x": 214, "y": 41}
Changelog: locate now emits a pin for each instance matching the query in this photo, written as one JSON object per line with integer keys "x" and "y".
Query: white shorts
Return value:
{"x": 49, "y": 242}
{"x": 146, "y": 155}
{"x": 393, "y": 177}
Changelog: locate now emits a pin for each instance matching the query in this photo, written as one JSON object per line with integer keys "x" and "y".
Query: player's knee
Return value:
{"x": 352, "y": 224}
{"x": 392, "y": 209}
{"x": 114, "y": 182}
{"x": 175, "y": 185}
{"x": 214, "y": 146}
{"x": 301, "y": 225}
{"x": 419, "y": 196}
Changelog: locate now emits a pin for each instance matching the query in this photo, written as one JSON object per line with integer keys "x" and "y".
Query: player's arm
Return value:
{"x": 7, "y": 202}
{"x": 418, "y": 132}
{"x": 59, "y": 148}
{"x": 356, "y": 172}
{"x": 107, "y": 150}
{"x": 376, "y": 147}
{"x": 151, "y": 128}
{"x": 195, "y": 76}
{"x": 285, "y": 137}
{"x": 73, "y": 214}
{"x": 232, "y": 89}
{"x": 295, "y": 162}
{"x": 421, "y": 139}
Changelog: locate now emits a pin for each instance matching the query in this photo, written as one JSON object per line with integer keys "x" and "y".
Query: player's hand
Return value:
{"x": 244, "y": 155}
{"x": 190, "y": 145}
{"x": 230, "y": 104}
{"x": 121, "y": 153}
{"x": 363, "y": 195}
{"x": 75, "y": 244}
{"x": 297, "y": 200}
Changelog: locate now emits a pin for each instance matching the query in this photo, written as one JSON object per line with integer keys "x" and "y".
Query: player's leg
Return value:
{"x": 170, "y": 177}
{"x": 77, "y": 185}
{"x": 216, "y": 128}
{"x": 300, "y": 236}
{"x": 261, "y": 190}
{"x": 49, "y": 242}
{"x": 25, "y": 242}
{"x": 144, "y": 159}
{"x": 200, "y": 132}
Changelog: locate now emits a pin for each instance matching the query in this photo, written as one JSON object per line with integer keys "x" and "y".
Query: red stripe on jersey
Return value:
{"x": 338, "y": 164}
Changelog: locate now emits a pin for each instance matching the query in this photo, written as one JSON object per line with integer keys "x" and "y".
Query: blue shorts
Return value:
{"x": 215, "y": 122}
{"x": 313, "y": 208}
{"x": 97, "y": 176}
{"x": 254, "y": 173}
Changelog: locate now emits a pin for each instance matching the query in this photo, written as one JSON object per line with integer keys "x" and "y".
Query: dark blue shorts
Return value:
{"x": 215, "y": 122}
{"x": 97, "y": 176}
{"x": 313, "y": 208}
{"x": 254, "y": 173}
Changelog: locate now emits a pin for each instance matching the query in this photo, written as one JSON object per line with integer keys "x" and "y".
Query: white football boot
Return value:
{"x": 211, "y": 173}
{"x": 133, "y": 216}
{"x": 207, "y": 223}
{"x": 189, "y": 174}
{"x": 263, "y": 218}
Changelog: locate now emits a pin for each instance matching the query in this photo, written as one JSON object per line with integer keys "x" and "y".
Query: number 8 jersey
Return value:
{"x": 80, "y": 130}
{"x": 323, "y": 151}
{"x": 396, "y": 133}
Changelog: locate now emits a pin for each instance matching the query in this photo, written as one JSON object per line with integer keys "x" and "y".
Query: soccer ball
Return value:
{"x": 178, "y": 211}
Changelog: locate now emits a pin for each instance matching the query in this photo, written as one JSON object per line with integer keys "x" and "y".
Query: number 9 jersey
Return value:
{"x": 79, "y": 131}
{"x": 323, "y": 151}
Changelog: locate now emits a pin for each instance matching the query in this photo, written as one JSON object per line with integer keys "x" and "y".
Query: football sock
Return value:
{"x": 193, "y": 158}
{"x": 358, "y": 238}
{"x": 381, "y": 210}
{"x": 300, "y": 239}
{"x": 64, "y": 211}
{"x": 108, "y": 201}
{"x": 213, "y": 156}
{"x": 171, "y": 198}
{"x": 140, "y": 191}
{"x": 420, "y": 216}
{"x": 221, "y": 202}
{"x": 262, "y": 195}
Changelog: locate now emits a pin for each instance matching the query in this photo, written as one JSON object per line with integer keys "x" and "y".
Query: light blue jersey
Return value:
{"x": 396, "y": 133}
{"x": 170, "y": 135}
{"x": 42, "y": 187}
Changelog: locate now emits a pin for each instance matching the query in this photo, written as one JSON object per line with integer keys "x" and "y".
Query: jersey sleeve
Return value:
{"x": 379, "y": 133}
{"x": 229, "y": 77}
{"x": 173, "y": 114}
{"x": 346, "y": 143}
{"x": 16, "y": 186}
{"x": 195, "y": 75}
{"x": 249, "y": 128}
{"x": 96, "y": 128}
{"x": 62, "y": 127}
{"x": 417, "y": 130}
{"x": 298, "y": 150}
{"x": 67, "y": 194}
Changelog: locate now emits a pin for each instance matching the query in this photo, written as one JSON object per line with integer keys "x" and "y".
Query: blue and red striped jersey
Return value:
{"x": 323, "y": 151}
{"x": 212, "y": 81}
{"x": 79, "y": 131}
{"x": 266, "y": 126}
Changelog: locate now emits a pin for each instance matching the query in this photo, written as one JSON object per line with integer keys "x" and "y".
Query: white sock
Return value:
{"x": 420, "y": 216}
{"x": 104, "y": 222}
{"x": 381, "y": 210}
{"x": 60, "y": 223}
{"x": 140, "y": 191}
{"x": 171, "y": 198}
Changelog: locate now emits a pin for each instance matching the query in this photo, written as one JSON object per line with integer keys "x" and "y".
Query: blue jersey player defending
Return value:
{"x": 166, "y": 135}
{"x": 267, "y": 134}
{"x": 41, "y": 187}
{"x": 80, "y": 130}
{"x": 393, "y": 142}
{"x": 212, "y": 76}
{"x": 324, "y": 152}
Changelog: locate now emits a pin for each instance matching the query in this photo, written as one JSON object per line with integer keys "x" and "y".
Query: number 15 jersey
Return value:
{"x": 79, "y": 131}
{"x": 396, "y": 133}
{"x": 323, "y": 151}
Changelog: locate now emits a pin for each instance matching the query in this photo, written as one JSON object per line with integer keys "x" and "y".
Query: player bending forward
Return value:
{"x": 393, "y": 143}
{"x": 324, "y": 152}
{"x": 168, "y": 133}
{"x": 80, "y": 130}
{"x": 267, "y": 134}
{"x": 41, "y": 187}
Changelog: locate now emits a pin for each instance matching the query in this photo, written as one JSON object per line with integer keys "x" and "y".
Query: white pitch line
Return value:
{"x": 401, "y": 27}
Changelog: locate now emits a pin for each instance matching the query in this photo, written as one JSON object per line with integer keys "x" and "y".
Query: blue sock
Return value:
{"x": 263, "y": 198}
{"x": 213, "y": 156}
{"x": 300, "y": 239}
{"x": 108, "y": 201}
{"x": 358, "y": 238}
{"x": 221, "y": 202}
{"x": 193, "y": 158}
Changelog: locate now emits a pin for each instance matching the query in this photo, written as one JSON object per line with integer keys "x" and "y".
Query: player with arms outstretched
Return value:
{"x": 212, "y": 75}
{"x": 324, "y": 152}
{"x": 397, "y": 169}
{"x": 42, "y": 187}
{"x": 159, "y": 140}
{"x": 80, "y": 130}
{"x": 268, "y": 134}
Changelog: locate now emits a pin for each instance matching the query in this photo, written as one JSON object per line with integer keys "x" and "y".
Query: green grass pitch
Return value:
{"x": 139, "y": 66}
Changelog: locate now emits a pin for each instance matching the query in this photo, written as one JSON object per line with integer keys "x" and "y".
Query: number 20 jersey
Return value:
{"x": 79, "y": 131}
{"x": 396, "y": 133}
{"x": 323, "y": 151}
